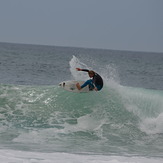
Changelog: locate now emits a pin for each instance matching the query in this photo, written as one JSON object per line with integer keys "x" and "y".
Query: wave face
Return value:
{"x": 117, "y": 120}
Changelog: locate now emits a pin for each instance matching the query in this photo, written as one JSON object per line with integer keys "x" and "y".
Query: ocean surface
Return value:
{"x": 42, "y": 123}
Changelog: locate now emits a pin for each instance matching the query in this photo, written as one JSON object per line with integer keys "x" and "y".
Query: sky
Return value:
{"x": 135, "y": 25}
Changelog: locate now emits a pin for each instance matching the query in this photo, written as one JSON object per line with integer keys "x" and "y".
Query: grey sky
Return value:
{"x": 109, "y": 24}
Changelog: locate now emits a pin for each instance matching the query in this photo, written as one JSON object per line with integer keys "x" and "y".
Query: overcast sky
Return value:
{"x": 110, "y": 24}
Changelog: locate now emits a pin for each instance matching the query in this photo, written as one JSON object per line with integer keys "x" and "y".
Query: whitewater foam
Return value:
{"x": 153, "y": 125}
{"x": 8, "y": 156}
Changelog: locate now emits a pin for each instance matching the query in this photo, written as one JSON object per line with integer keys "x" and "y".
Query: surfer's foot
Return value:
{"x": 78, "y": 86}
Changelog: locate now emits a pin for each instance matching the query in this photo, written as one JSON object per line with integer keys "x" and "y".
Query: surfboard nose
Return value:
{"x": 62, "y": 84}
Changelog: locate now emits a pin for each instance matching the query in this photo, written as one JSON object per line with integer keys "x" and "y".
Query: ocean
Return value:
{"x": 42, "y": 123}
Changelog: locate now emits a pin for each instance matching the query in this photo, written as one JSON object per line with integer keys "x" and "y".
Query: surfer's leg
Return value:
{"x": 99, "y": 87}
{"x": 90, "y": 83}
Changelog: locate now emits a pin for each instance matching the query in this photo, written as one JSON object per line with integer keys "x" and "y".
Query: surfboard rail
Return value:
{"x": 70, "y": 85}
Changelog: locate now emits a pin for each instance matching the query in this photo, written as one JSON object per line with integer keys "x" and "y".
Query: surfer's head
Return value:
{"x": 91, "y": 73}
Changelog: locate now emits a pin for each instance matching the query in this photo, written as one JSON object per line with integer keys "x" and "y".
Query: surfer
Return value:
{"x": 95, "y": 83}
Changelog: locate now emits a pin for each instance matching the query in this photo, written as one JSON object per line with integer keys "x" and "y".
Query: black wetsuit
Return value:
{"x": 95, "y": 81}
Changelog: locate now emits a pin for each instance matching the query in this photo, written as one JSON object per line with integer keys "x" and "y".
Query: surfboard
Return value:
{"x": 71, "y": 86}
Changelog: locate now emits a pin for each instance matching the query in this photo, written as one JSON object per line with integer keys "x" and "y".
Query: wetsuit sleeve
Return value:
{"x": 85, "y": 70}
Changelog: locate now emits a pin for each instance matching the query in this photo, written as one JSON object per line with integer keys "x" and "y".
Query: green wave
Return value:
{"x": 113, "y": 117}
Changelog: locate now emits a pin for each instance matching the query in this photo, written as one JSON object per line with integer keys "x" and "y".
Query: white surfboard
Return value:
{"x": 71, "y": 86}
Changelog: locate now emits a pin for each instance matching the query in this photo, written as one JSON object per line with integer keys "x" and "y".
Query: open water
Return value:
{"x": 42, "y": 123}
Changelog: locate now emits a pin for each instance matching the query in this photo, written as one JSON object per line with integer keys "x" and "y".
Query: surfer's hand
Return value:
{"x": 78, "y": 69}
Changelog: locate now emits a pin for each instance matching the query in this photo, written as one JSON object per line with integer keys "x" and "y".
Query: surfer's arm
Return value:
{"x": 79, "y": 69}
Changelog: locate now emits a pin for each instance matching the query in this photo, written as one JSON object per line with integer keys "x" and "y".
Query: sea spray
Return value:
{"x": 75, "y": 63}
